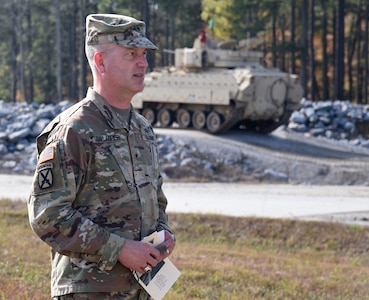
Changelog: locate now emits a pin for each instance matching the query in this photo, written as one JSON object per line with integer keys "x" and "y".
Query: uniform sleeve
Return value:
{"x": 162, "y": 202}
{"x": 60, "y": 172}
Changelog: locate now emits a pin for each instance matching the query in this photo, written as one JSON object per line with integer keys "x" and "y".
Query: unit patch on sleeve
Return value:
{"x": 49, "y": 175}
{"x": 45, "y": 177}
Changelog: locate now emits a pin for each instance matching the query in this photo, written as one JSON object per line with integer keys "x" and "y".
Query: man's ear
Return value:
{"x": 99, "y": 62}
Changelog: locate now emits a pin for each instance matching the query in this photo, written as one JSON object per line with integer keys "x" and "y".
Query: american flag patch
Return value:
{"x": 47, "y": 154}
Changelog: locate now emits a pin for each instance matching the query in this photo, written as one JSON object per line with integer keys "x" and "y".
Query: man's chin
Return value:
{"x": 140, "y": 88}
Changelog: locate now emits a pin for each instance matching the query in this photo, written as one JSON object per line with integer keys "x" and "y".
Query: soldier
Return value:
{"x": 97, "y": 190}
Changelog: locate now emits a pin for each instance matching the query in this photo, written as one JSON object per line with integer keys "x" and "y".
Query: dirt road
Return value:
{"x": 331, "y": 203}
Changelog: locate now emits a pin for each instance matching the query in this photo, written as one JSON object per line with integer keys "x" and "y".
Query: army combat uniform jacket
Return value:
{"x": 96, "y": 184}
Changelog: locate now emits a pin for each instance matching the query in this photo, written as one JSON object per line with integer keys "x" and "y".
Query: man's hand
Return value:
{"x": 136, "y": 255}
{"x": 166, "y": 248}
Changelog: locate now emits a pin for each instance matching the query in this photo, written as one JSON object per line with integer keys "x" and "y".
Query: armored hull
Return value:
{"x": 217, "y": 88}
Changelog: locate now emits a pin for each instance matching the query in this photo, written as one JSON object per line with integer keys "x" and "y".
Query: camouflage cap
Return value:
{"x": 122, "y": 30}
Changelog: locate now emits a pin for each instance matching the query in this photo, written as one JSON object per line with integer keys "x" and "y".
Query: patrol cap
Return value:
{"x": 122, "y": 30}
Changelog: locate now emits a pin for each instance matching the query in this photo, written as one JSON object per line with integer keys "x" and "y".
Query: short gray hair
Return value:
{"x": 90, "y": 51}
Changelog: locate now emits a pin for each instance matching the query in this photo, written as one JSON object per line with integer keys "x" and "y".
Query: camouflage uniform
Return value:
{"x": 96, "y": 184}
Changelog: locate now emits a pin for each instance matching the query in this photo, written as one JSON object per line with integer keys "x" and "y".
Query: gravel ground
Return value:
{"x": 281, "y": 157}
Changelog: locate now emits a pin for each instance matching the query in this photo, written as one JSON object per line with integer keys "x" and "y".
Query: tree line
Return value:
{"x": 325, "y": 42}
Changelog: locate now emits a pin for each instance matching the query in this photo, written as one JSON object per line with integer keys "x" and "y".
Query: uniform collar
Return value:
{"x": 114, "y": 120}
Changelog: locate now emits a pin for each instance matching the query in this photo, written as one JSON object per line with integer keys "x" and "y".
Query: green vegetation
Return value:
{"x": 219, "y": 257}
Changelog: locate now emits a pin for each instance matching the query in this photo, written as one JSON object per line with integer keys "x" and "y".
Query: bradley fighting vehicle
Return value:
{"x": 216, "y": 86}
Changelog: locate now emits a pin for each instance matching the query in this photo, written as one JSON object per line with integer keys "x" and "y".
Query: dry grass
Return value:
{"x": 24, "y": 260}
{"x": 224, "y": 257}
{"x": 219, "y": 257}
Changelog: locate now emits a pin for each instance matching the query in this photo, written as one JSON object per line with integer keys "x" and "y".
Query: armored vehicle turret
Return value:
{"x": 215, "y": 86}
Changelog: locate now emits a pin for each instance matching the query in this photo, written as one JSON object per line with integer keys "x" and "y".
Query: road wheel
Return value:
{"x": 149, "y": 114}
{"x": 183, "y": 118}
{"x": 198, "y": 119}
{"x": 165, "y": 117}
{"x": 213, "y": 122}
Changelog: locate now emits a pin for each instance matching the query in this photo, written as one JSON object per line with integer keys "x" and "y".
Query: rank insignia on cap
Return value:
{"x": 47, "y": 154}
{"x": 45, "y": 178}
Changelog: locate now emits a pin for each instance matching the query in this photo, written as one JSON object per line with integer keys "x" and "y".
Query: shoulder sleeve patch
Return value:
{"x": 45, "y": 178}
{"x": 47, "y": 154}
{"x": 49, "y": 175}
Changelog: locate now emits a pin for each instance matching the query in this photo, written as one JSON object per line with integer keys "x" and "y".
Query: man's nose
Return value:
{"x": 142, "y": 62}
